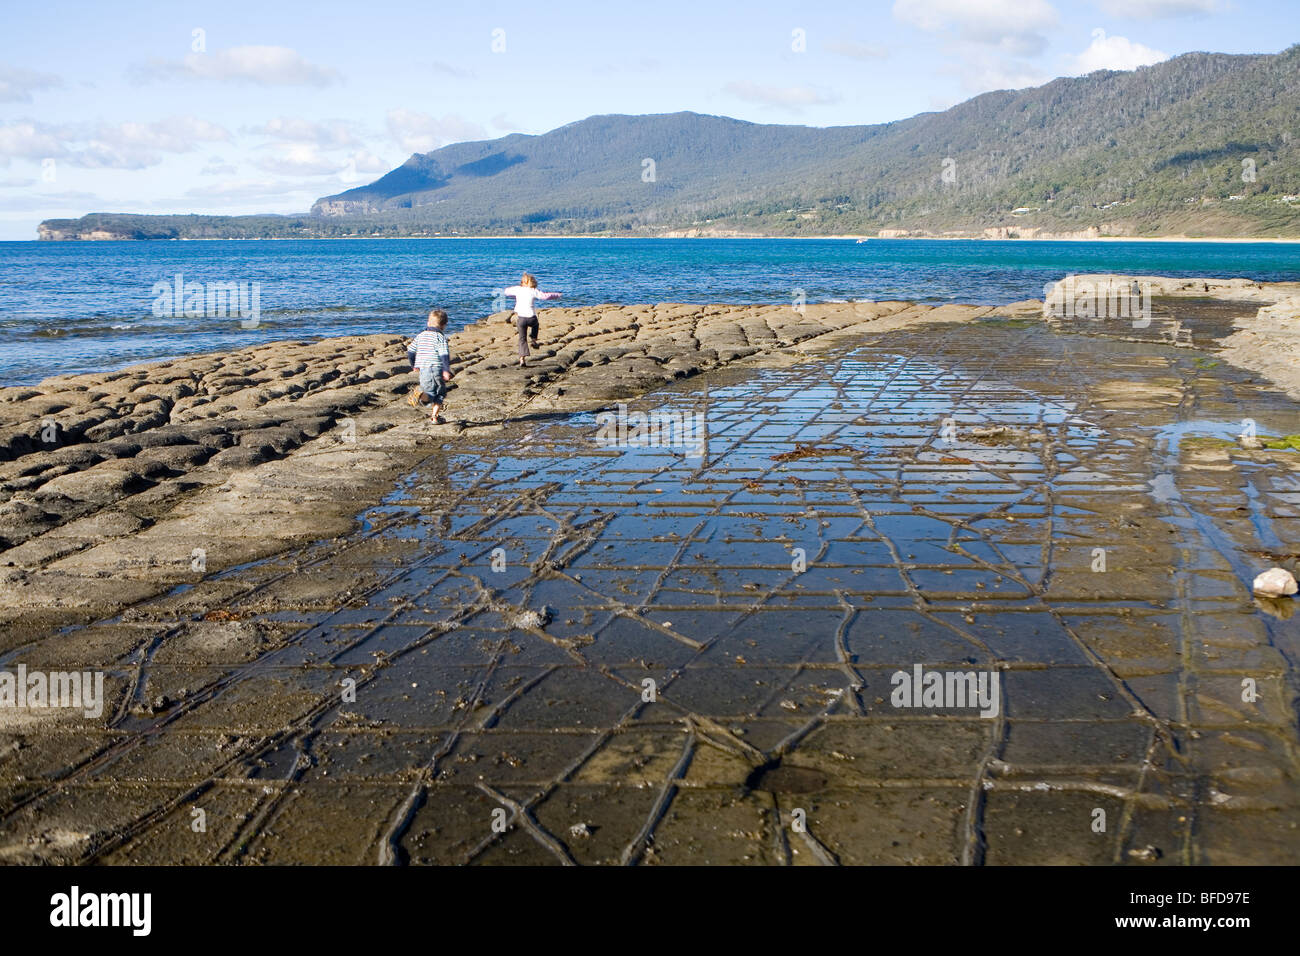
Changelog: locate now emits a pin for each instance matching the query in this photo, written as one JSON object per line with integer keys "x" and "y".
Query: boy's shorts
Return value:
{"x": 431, "y": 384}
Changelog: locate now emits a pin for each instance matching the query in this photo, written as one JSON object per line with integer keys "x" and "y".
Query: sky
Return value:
{"x": 262, "y": 107}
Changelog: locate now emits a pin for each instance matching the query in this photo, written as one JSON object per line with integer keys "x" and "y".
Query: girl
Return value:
{"x": 525, "y": 294}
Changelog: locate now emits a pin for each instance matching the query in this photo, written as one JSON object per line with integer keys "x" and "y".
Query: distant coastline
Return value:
{"x": 1182, "y": 161}
{"x": 839, "y": 237}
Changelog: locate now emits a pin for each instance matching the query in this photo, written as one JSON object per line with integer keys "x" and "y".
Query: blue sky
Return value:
{"x": 239, "y": 107}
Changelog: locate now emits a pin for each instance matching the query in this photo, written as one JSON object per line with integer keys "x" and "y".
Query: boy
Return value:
{"x": 431, "y": 356}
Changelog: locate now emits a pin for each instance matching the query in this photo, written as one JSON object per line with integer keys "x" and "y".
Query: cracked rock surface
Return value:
{"x": 665, "y": 651}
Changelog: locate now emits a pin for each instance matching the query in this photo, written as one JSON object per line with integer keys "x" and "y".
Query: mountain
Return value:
{"x": 604, "y": 167}
{"x": 1203, "y": 144}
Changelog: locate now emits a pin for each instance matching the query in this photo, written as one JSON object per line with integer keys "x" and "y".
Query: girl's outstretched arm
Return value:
{"x": 548, "y": 295}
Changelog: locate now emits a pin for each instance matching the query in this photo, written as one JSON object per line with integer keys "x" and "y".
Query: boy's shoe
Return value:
{"x": 414, "y": 398}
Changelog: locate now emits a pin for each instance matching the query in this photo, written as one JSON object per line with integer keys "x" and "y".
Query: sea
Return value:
{"x": 70, "y": 307}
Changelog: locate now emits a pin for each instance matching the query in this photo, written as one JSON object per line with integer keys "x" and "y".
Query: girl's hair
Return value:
{"x": 529, "y": 280}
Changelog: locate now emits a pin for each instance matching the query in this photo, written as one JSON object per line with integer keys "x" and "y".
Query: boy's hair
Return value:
{"x": 529, "y": 280}
{"x": 437, "y": 319}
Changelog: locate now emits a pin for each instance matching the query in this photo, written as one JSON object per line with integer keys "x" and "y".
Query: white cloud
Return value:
{"x": 261, "y": 65}
{"x": 303, "y": 159}
{"x": 26, "y": 139}
{"x": 418, "y": 132}
{"x": 250, "y": 190}
{"x": 137, "y": 145}
{"x": 16, "y": 183}
{"x": 791, "y": 98}
{"x": 17, "y": 86}
{"x": 989, "y": 44}
{"x": 1016, "y": 27}
{"x": 216, "y": 166}
{"x": 332, "y": 134}
{"x": 1161, "y": 9}
{"x": 106, "y": 145}
{"x": 1114, "y": 53}
{"x": 982, "y": 71}
{"x": 298, "y": 159}
{"x": 857, "y": 51}
{"x": 361, "y": 166}
{"x": 300, "y": 147}
{"x": 364, "y": 161}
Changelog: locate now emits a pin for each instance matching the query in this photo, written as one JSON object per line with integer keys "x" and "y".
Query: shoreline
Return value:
{"x": 245, "y": 454}
{"x": 837, "y": 237}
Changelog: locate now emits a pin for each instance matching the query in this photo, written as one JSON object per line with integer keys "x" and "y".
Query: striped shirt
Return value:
{"x": 430, "y": 349}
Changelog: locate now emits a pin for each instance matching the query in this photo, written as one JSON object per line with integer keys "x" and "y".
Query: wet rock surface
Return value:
{"x": 681, "y": 646}
{"x": 213, "y": 460}
{"x": 1253, "y": 325}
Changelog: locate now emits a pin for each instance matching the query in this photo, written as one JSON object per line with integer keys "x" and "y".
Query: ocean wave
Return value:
{"x": 73, "y": 331}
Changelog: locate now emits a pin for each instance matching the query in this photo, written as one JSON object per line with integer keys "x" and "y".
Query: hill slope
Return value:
{"x": 1204, "y": 144}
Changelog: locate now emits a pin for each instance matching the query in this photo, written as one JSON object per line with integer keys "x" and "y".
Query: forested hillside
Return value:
{"x": 1204, "y": 144}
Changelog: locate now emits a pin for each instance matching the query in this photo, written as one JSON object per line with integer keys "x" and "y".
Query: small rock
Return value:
{"x": 1145, "y": 854}
{"x": 533, "y": 619}
{"x": 1275, "y": 582}
{"x": 580, "y": 830}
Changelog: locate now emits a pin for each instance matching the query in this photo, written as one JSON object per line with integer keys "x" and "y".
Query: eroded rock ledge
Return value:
{"x": 116, "y": 486}
{"x": 1266, "y": 330}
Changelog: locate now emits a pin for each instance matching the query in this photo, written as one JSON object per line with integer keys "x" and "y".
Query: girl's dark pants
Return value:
{"x": 525, "y": 326}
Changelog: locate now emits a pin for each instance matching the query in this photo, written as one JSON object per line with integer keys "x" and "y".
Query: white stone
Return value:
{"x": 1275, "y": 582}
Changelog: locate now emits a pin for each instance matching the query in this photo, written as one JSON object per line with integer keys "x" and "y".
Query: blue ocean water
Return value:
{"x": 77, "y": 307}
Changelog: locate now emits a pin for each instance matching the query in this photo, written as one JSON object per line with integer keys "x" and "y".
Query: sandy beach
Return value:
{"x": 237, "y": 541}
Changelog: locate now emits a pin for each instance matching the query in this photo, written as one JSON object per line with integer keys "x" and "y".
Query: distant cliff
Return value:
{"x": 343, "y": 207}
{"x": 1204, "y": 144}
{"x": 64, "y": 230}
